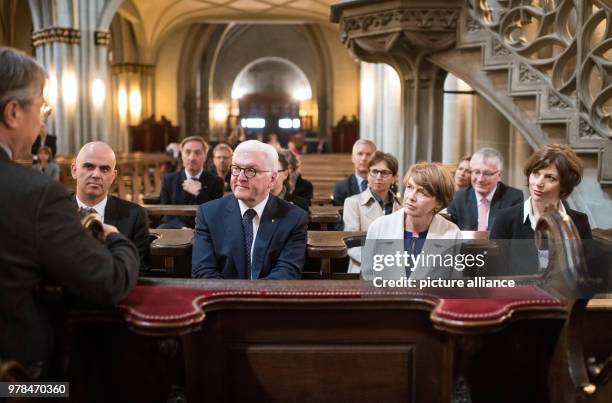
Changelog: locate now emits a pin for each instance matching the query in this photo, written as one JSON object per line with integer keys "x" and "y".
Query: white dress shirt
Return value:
{"x": 197, "y": 176}
{"x": 8, "y": 150}
{"x": 528, "y": 212}
{"x": 100, "y": 207}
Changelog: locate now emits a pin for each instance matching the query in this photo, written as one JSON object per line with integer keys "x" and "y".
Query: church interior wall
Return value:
{"x": 167, "y": 75}
{"x": 16, "y": 25}
{"x": 345, "y": 79}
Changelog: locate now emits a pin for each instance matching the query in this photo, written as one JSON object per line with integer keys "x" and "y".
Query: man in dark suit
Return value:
{"x": 94, "y": 172}
{"x": 42, "y": 238}
{"x": 475, "y": 207}
{"x": 222, "y": 159}
{"x": 44, "y": 139}
{"x": 250, "y": 234}
{"x": 192, "y": 185}
{"x": 357, "y": 182}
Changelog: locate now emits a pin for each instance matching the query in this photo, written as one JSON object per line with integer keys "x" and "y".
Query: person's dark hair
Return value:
{"x": 283, "y": 165}
{"x": 569, "y": 165}
{"x": 45, "y": 149}
{"x": 436, "y": 181}
{"x": 21, "y": 78}
{"x": 389, "y": 159}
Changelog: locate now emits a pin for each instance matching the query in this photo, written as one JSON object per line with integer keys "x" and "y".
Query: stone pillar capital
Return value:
{"x": 56, "y": 34}
{"x": 102, "y": 38}
{"x": 397, "y": 32}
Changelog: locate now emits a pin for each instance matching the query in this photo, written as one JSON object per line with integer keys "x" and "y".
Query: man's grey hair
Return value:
{"x": 363, "y": 142}
{"x": 487, "y": 154}
{"x": 21, "y": 78}
{"x": 257, "y": 146}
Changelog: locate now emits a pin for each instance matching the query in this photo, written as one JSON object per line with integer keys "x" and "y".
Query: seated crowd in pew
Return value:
{"x": 254, "y": 232}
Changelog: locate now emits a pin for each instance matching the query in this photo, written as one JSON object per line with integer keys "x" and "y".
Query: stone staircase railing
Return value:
{"x": 558, "y": 52}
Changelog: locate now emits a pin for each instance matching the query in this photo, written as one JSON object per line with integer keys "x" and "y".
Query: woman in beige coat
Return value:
{"x": 377, "y": 200}
{"x": 428, "y": 188}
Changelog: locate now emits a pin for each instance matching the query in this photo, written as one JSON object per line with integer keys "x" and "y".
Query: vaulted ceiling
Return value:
{"x": 155, "y": 19}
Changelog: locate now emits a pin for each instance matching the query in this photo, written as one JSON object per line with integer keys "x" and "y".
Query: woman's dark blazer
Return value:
{"x": 298, "y": 201}
{"x": 303, "y": 188}
{"x": 520, "y": 258}
{"x": 509, "y": 224}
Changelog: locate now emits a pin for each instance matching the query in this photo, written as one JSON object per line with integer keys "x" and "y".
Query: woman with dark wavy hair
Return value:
{"x": 552, "y": 172}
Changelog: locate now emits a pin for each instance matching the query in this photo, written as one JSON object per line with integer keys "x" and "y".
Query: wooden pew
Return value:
{"x": 137, "y": 174}
{"x": 325, "y": 216}
{"x": 327, "y": 245}
{"x": 173, "y": 245}
{"x": 324, "y": 170}
{"x": 188, "y": 210}
{"x": 321, "y": 215}
{"x": 337, "y": 341}
{"x": 206, "y": 340}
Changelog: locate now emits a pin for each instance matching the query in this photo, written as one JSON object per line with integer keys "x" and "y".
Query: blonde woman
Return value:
{"x": 417, "y": 227}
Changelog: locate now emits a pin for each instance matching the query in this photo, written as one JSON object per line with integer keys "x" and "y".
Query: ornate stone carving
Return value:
{"x": 56, "y": 34}
{"x": 429, "y": 19}
{"x": 472, "y": 24}
{"x": 102, "y": 38}
{"x": 555, "y": 102}
{"x": 546, "y": 38}
{"x": 527, "y": 76}
{"x": 499, "y": 49}
{"x": 585, "y": 131}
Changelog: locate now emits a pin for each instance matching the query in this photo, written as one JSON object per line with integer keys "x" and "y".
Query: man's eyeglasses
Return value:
{"x": 486, "y": 174}
{"x": 384, "y": 174}
{"x": 248, "y": 172}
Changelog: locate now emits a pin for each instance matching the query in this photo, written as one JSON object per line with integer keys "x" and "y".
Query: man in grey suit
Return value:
{"x": 474, "y": 208}
{"x": 42, "y": 238}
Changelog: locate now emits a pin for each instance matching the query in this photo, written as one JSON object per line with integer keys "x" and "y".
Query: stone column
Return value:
{"x": 132, "y": 89}
{"x": 380, "y": 107}
{"x": 73, "y": 49}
